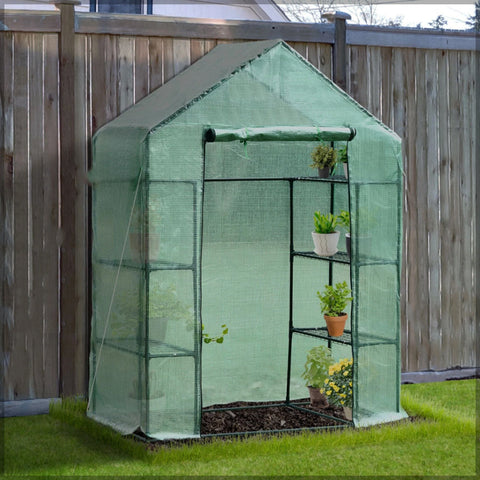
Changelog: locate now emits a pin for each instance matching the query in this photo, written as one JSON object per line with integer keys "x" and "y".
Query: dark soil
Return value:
{"x": 263, "y": 420}
{"x": 266, "y": 418}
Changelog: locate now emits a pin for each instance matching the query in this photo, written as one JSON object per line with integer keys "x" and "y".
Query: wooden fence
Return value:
{"x": 427, "y": 95}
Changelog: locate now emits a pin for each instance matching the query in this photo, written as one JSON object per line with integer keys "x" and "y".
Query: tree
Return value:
{"x": 474, "y": 20}
{"x": 438, "y": 23}
{"x": 362, "y": 11}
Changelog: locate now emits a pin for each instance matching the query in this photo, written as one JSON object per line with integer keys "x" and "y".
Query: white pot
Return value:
{"x": 345, "y": 169}
{"x": 325, "y": 243}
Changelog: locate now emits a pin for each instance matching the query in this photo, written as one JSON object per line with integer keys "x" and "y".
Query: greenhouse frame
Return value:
{"x": 202, "y": 208}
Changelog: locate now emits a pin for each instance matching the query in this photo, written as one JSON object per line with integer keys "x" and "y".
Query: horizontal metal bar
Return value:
{"x": 246, "y": 407}
{"x": 339, "y": 257}
{"x": 150, "y": 266}
{"x": 279, "y": 134}
{"x": 292, "y": 405}
{"x": 322, "y": 333}
{"x": 278, "y": 179}
{"x": 270, "y": 432}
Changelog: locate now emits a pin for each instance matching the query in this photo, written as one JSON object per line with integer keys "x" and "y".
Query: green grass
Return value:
{"x": 442, "y": 443}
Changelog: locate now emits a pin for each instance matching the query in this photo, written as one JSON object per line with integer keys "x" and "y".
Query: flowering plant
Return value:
{"x": 338, "y": 385}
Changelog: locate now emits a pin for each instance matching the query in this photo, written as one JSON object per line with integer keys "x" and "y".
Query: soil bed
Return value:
{"x": 265, "y": 418}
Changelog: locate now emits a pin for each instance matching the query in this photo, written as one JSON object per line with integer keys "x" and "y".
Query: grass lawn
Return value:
{"x": 442, "y": 443}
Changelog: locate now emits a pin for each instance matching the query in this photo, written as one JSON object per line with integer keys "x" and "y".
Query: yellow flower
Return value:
{"x": 329, "y": 392}
{"x": 343, "y": 395}
{"x": 331, "y": 384}
{"x": 326, "y": 381}
{"x": 342, "y": 402}
{"x": 322, "y": 390}
{"x": 345, "y": 373}
{"x": 330, "y": 370}
{"x": 349, "y": 384}
{"x": 336, "y": 388}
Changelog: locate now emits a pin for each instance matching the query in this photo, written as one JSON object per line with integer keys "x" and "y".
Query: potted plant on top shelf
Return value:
{"x": 325, "y": 237}
{"x": 316, "y": 371}
{"x": 333, "y": 301}
{"x": 324, "y": 159}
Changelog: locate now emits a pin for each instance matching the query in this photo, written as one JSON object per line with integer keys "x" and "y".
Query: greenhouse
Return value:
{"x": 205, "y": 275}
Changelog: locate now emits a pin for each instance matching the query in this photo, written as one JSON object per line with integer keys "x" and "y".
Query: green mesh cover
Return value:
{"x": 188, "y": 232}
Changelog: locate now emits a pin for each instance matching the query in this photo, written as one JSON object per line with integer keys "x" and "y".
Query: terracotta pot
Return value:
{"x": 317, "y": 399}
{"x": 323, "y": 172}
{"x": 336, "y": 325}
{"x": 347, "y": 411}
{"x": 325, "y": 243}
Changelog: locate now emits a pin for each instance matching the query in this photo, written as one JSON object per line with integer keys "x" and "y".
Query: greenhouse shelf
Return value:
{"x": 152, "y": 265}
{"x": 346, "y": 338}
{"x": 155, "y": 349}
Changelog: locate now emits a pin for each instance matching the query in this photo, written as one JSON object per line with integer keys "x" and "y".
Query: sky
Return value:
{"x": 412, "y": 14}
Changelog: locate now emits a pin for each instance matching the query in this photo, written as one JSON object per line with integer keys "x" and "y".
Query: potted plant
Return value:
{"x": 333, "y": 301}
{"x": 344, "y": 220}
{"x": 338, "y": 386}
{"x": 325, "y": 237}
{"x": 316, "y": 371}
{"x": 343, "y": 159}
{"x": 324, "y": 158}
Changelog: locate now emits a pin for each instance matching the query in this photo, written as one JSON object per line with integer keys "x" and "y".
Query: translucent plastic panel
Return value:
{"x": 117, "y": 395}
{"x": 245, "y": 272}
{"x": 174, "y": 398}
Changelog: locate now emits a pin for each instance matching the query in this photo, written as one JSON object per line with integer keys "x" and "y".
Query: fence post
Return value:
{"x": 339, "y": 47}
{"x": 72, "y": 291}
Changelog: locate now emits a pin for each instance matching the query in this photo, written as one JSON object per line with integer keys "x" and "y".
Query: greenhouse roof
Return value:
{"x": 194, "y": 82}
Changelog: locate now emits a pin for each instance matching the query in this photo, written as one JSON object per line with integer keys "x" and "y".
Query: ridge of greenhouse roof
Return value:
{"x": 193, "y": 82}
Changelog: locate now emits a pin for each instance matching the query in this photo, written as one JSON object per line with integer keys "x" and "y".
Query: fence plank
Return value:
{"x": 21, "y": 354}
{"x": 155, "y": 52}
{"x": 7, "y": 233}
{"x": 141, "y": 68}
{"x": 467, "y": 195}
{"x": 454, "y": 227}
{"x": 168, "y": 66}
{"x": 422, "y": 310}
{"x": 358, "y": 75}
{"x": 35, "y": 220}
{"x": 50, "y": 215}
{"x": 400, "y": 127}
{"x": 444, "y": 201}
{"x": 412, "y": 339}
{"x": 126, "y": 76}
{"x": 386, "y": 101}
{"x": 181, "y": 55}
{"x": 432, "y": 210}
{"x": 99, "y": 80}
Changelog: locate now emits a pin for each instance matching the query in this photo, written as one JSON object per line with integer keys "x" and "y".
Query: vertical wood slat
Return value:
{"x": 444, "y": 201}
{"x": 6, "y": 207}
{"x": 126, "y": 73}
{"x": 155, "y": 52}
{"x": 432, "y": 209}
{"x": 35, "y": 219}
{"x": 20, "y": 355}
{"x": 400, "y": 127}
{"x": 454, "y": 227}
{"x": 50, "y": 215}
{"x": 72, "y": 294}
{"x": 465, "y": 93}
{"x": 412, "y": 343}
{"x": 141, "y": 66}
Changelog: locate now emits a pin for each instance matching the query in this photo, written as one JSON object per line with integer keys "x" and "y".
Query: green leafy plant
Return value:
{"x": 324, "y": 223}
{"x": 316, "y": 367}
{"x": 333, "y": 300}
{"x": 218, "y": 339}
{"x": 337, "y": 387}
{"x": 344, "y": 219}
{"x": 323, "y": 156}
{"x": 164, "y": 303}
{"x": 342, "y": 154}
